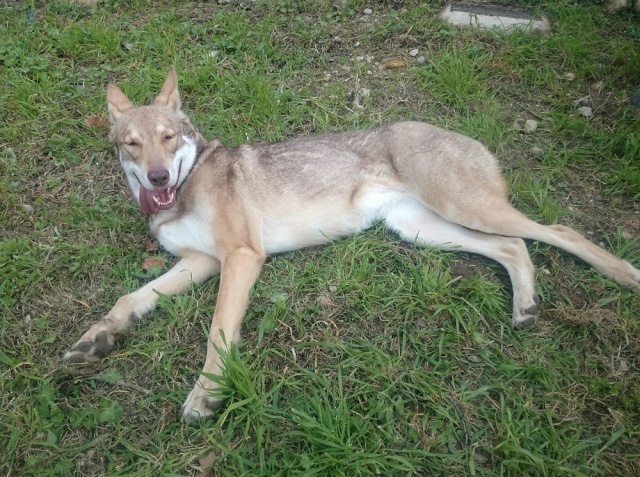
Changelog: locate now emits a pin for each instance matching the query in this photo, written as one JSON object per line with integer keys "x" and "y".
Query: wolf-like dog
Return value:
{"x": 223, "y": 210}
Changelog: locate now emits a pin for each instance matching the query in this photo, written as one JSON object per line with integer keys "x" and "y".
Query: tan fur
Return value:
{"x": 222, "y": 210}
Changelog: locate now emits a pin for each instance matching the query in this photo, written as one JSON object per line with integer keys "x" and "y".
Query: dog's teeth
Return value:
{"x": 170, "y": 199}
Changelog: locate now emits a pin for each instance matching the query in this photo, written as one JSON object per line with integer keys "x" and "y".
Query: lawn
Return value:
{"x": 365, "y": 357}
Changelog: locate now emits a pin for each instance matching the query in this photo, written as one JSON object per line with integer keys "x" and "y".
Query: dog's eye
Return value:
{"x": 131, "y": 143}
{"x": 169, "y": 137}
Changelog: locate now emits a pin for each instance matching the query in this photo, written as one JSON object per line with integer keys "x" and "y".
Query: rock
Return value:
{"x": 421, "y": 59}
{"x": 367, "y": 11}
{"x": 27, "y": 208}
{"x": 493, "y": 17}
{"x": 474, "y": 358}
{"x": 569, "y": 76}
{"x": 585, "y": 111}
{"x": 596, "y": 86}
{"x": 627, "y": 236}
{"x": 414, "y": 52}
{"x": 395, "y": 64}
{"x": 530, "y": 125}
{"x": 537, "y": 151}
{"x": 333, "y": 288}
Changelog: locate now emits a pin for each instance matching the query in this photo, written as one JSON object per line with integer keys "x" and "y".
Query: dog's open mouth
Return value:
{"x": 153, "y": 200}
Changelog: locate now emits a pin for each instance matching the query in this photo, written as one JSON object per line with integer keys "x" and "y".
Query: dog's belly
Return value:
{"x": 296, "y": 226}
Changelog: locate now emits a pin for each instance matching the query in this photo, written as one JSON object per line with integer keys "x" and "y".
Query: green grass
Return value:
{"x": 364, "y": 357}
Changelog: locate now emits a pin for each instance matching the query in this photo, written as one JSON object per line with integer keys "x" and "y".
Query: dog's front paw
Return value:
{"x": 89, "y": 350}
{"x": 199, "y": 405}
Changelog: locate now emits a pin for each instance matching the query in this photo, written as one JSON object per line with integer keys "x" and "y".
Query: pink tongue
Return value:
{"x": 146, "y": 201}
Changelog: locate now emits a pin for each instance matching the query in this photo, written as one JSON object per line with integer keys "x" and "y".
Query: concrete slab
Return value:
{"x": 494, "y": 17}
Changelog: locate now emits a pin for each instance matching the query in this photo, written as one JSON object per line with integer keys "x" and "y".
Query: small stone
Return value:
{"x": 27, "y": 208}
{"x": 324, "y": 301}
{"x": 421, "y": 59}
{"x": 333, "y": 288}
{"x": 414, "y": 52}
{"x": 584, "y": 101}
{"x": 518, "y": 124}
{"x": 626, "y": 235}
{"x": 367, "y": 11}
{"x": 569, "y": 76}
{"x": 327, "y": 76}
{"x": 596, "y": 86}
{"x": 361, "y": 95}
{"x": 395, "y": 64}
{"x": 474, "y": 358}
{"x": 537, "y": 151}
{"x": 480, "y": 458}
{"x": 563, "y": 185}
{"x": 598, "y": 198}
{"x": 546, "y": 271}
{"x": 530, "y": 125}
{"x": 128, "y": 46}
{"x": 623, "y": 367}
{"x": 585, "y": 111}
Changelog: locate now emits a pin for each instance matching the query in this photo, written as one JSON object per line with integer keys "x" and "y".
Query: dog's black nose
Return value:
{"x": 158, "y": 177}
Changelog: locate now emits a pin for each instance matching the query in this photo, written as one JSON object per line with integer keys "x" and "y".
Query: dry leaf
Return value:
{"x": 151, "y": 246}
{"x": 206, "y": 462}
{"x": 97, "y": 121}
{"x": 151, "y": 261}
{"x": 395, "y": 64}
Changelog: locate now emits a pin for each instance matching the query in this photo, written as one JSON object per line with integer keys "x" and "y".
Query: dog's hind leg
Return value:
{"x": 499, "y": 217}
{"x": 420, "y": 225}
{"x": 98, "y": 341}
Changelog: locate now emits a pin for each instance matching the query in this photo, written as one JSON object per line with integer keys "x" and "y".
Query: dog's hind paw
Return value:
{"x": 526, "y": 317}
{"x": 199, "y": 405}
{"x": 90, "y": 350}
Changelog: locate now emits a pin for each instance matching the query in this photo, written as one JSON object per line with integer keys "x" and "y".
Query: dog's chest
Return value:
{"x": 188, "y": 232}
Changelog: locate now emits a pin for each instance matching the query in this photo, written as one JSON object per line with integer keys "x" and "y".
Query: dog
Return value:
{"x": 223, "y": 210}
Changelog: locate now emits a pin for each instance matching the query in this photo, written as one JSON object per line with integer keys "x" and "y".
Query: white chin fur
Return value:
{"x": 184, "y": 160}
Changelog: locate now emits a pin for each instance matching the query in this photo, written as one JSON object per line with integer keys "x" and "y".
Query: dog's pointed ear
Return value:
{"x": 117, "y": 102}
{"x": 169, "y": 95}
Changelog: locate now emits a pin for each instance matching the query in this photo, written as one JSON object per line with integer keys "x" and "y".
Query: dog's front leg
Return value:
{"x": 98, "y": 341}
{"x": 240, "y": 269}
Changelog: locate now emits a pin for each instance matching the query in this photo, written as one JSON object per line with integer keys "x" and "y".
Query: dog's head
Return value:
{"x": 156, "y": 144}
